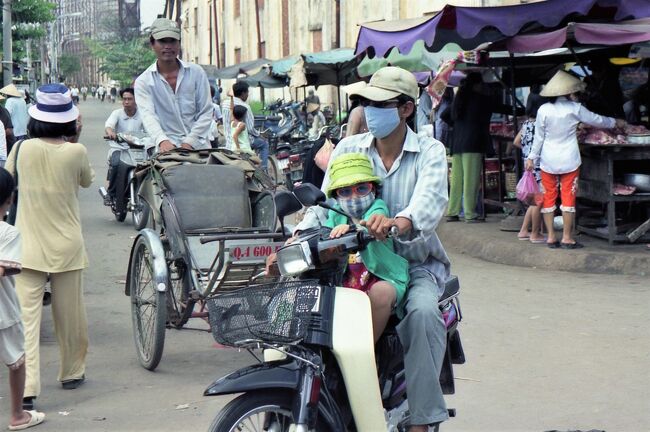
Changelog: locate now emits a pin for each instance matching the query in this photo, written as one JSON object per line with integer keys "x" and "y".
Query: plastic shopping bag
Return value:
{"x": 527, "y": 189}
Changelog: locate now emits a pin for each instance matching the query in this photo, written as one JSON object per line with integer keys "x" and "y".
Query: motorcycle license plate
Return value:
{"x": 283, "y": 163}
{"x": 241, "y": 252}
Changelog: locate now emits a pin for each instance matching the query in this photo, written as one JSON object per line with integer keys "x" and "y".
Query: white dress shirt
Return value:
{"x": 182, "y": 115}
{"x": 555, "y": 142}
{"x": 414, "y": 188}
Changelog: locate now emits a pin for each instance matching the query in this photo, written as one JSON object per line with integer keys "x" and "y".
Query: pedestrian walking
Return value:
{"x": 101, "y": 93}
{"x": 113, "y": 93}
{"x": 12, "y": 337}
{"x": 17, "y": 108}
{"x": 84, "y": 92}
{"x": 53, "y": 246}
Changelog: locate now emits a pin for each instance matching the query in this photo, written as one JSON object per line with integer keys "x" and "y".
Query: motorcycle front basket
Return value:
{"x": 275, "y": 313}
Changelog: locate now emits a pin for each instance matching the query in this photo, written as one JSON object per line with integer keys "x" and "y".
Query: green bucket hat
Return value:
{"x": 350, "y": 169}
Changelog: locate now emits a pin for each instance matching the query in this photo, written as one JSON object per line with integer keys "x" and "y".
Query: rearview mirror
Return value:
{"x": 286, "y": 203}
{"x": 309, "y": 195}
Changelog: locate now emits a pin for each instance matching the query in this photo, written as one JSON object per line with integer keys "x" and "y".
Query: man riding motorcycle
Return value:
{"x": 124, "y": 120}
{"x": 413, "y": 170}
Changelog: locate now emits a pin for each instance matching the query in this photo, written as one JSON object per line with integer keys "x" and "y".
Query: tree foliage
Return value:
{"x": 28, "y": 19}
{"x": 122, "y": 60}
{"x": 68, "y": 65}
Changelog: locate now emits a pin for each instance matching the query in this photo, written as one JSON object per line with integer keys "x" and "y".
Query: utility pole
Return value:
{"x": 259, "y": 42}
{"x": 7, "y": 60}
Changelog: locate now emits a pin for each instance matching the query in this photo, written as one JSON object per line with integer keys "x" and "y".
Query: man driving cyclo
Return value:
{"x": 412, "y": 171}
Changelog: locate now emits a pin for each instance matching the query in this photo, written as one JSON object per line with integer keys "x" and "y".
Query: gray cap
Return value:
{"x": 165, "y": 28}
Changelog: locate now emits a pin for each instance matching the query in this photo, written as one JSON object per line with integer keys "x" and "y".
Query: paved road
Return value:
{"x": 545, "y": 350}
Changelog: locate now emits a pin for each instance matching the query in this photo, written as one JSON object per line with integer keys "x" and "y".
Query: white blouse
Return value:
{"x": 556, "y": 143}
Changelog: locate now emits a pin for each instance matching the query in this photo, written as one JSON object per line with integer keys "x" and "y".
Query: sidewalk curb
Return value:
{"x": 487, "y": 242}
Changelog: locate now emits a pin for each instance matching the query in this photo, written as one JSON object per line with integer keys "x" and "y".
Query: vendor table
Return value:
{"x": 601, "y": 166}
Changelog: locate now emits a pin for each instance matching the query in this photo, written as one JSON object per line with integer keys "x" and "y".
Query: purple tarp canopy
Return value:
{"x": 471, "y": 26}
{"x": 626, "y": 32}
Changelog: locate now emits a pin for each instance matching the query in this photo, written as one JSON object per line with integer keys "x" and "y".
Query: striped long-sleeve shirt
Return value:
{"x": 415, "y": 188}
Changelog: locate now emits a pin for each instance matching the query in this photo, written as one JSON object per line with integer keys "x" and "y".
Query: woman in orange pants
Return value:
{"x": 556, "y": 145}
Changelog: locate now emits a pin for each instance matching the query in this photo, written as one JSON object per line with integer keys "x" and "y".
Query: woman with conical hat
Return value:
{"x": 556, "y": 146}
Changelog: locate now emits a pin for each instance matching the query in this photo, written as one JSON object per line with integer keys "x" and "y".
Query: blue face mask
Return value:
{"x": 356, "y": 206}
{"x": 381, "y": 121}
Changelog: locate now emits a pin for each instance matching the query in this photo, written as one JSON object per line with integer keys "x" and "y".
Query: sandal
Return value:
{"x": 35, "y": 418}
{"x": 575, "y": 245}
{"x": 554, "y": 245}
{"x": 538, "y": 241}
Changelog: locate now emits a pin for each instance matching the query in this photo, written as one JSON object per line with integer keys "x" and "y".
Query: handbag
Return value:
{"x": 322, "y": 157}
{"x": 13, "y": 210}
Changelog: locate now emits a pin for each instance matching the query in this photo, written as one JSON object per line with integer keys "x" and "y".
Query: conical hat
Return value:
{"x": 11, "y": 90}
{"x": 562, "y": 84}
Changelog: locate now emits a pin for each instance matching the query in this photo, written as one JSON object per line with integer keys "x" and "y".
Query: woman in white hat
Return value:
{"x": 556, "y": 146}
{"x": 49, "y": 170}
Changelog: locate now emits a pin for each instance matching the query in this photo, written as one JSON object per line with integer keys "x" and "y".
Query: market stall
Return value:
{"x": 512, "y": 37}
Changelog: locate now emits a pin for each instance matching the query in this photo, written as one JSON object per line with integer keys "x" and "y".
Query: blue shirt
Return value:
{"x": 19, "y": 117}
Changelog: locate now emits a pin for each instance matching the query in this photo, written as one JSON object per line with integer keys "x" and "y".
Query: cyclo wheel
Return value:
{"x": 148, "y": 307}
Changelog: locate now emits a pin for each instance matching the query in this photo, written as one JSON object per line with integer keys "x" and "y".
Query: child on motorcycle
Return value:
{"x": 378, "y": 270}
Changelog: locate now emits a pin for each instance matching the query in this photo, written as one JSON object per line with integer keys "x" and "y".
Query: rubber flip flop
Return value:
{"x": 538, "y": 241}
{"x": 575, "y": 245}
{"x": 555, "y": 245}
{"x": 453, "y": 219}
{"x": 35, "y": 418}
{"x": 523, "y": 238}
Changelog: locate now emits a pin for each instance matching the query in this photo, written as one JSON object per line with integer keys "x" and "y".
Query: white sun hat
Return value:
{"x": 562, "y": 84}
{"x": 53, "y": 105}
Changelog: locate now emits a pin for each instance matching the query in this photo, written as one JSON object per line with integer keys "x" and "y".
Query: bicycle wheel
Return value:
{"x": 148, "y": 307}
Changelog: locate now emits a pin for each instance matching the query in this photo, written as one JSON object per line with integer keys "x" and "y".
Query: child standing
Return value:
{"x": 524, "y": 140}
{"x": 377, "y": 270}
{"x": 12, "y": 338}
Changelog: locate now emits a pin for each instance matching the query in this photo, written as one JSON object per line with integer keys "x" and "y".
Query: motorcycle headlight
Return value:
{"x": 294, "y": 259}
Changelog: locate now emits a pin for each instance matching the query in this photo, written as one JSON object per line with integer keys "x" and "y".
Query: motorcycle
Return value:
{"x": 320, "y": 370}
{"x": 299, "y": 151}
{"x": 133, "y": 150}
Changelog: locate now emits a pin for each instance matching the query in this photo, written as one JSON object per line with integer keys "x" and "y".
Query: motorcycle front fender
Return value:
{"x": 284, "y": 374}
{"x": 281, "y": 374}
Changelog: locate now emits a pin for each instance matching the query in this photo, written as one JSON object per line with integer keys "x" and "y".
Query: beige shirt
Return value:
{"x": 49, "y": 176}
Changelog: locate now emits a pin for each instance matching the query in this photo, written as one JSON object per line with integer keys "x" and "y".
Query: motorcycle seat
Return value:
{"x": 452, "y": 287}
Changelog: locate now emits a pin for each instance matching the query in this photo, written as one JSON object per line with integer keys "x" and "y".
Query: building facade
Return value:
{"x": 225, "y": 32}
{"x": 78, "y": 20}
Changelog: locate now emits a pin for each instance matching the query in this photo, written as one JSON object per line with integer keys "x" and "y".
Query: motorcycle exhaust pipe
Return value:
{"x": 103, "y": 192}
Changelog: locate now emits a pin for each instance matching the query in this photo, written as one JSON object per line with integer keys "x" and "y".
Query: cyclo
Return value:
{"x": 194, "y": 197}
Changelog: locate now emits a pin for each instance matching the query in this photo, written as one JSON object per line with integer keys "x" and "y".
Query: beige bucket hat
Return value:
{"x": 388, "y": 83}
{"x": 11, "y": 90}
{"x": 562, "y": 84}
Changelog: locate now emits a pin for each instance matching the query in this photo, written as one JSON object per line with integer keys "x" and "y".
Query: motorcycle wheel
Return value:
{"x": 273, "y": 170}
{"x": 259, "y": 411}
{"x": 140, "y": 214}
{"x": 120, "y": 216}
{"x": 148, "y": 307}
